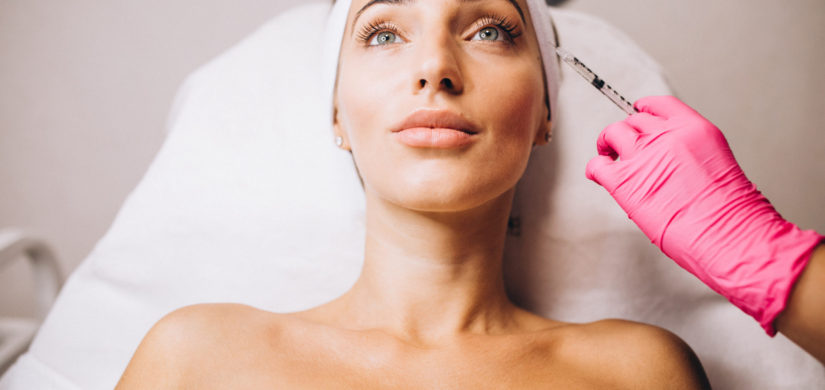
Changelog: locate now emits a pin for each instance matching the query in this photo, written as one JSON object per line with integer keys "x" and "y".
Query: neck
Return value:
{"x": 430, "y": 276}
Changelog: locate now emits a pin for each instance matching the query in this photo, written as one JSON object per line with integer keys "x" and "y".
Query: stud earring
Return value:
{"x": 548, "y": 137}
{"x": 339, "y": 140}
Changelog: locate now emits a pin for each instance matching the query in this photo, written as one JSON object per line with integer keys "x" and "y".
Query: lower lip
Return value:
{"x": 438, "y": 138}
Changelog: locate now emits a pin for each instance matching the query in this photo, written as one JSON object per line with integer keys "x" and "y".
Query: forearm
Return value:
{"x": 803, "y": 320}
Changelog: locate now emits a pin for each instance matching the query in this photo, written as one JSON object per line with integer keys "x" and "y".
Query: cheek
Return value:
{"x": 512, "y": 97}
{"x": 365, "y": 99}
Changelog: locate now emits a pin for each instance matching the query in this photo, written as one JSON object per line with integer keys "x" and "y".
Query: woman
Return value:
{"x": 440, "y": 103}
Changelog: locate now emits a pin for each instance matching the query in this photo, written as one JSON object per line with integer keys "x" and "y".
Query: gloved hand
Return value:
{"x": 677, "y": 179}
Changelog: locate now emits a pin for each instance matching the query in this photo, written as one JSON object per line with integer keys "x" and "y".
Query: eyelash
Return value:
{"x": 501, "y": 22}
{"x": 367, "y": 32}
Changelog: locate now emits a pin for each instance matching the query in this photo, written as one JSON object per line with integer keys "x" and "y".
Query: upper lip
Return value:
{"x": 434, "y": 118}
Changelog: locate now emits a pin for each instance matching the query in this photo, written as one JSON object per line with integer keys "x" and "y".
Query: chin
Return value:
{"x": 435, "y": 204}
{"x": 438, "y": 184}
{"x": 442, "y": 194}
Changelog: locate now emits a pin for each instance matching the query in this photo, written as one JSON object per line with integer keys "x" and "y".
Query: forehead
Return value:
{"x": 359, "y": 6}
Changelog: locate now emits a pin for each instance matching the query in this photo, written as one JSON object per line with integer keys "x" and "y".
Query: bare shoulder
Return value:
{"x": 634, "y": 355}
{"x": 190, "y": 338}
{"x": 207, "y": 325}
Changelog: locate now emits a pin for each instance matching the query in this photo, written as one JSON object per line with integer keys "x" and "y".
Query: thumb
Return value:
{"x": 598, "y": 170}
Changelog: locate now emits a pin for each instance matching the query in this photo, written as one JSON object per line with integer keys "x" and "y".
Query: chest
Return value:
{"x": 344, "y": 379}
{"x": 358, "y": 368}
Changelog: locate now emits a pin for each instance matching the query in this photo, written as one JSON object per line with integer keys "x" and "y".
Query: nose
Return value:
{"x": 439, "y": 69}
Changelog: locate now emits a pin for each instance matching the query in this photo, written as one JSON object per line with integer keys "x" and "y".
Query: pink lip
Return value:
{"x": 439, "y": 129}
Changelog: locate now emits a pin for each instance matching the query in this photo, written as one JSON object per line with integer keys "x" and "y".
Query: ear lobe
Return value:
{"x": 336, "y": 124}
{"x": 338, "y": 131}
{"x": 544, "y": 133}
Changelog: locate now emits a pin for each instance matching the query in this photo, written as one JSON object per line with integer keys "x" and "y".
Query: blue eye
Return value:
{"x": 379, "y": 33}
{"x": 385, "y": 38}
{"x": 496, "y": 28}
{"x": 487, "y": 34}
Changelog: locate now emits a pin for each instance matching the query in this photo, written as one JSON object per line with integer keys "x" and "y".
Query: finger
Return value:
{"x": 598, "y": 170}
{"x": 645, "y": 123}
{"x": 663, "y": 106}
{"x": 617, "y": 140}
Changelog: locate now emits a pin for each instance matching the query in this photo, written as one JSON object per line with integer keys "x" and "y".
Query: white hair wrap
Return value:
{"x": 542, "y": 25}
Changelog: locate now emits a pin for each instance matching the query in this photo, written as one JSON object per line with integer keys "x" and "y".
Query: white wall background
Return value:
{"x": 85, "y": 87}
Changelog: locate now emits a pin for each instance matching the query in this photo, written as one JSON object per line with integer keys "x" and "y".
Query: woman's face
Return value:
{"x": 440, "y": 101}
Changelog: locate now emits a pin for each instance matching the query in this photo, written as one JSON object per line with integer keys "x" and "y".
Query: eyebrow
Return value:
{"x": 404, "y": 2}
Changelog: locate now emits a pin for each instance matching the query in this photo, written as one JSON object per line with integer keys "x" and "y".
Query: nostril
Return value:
{"x": 447, "y": 83}
{"x": 422, "y": 82}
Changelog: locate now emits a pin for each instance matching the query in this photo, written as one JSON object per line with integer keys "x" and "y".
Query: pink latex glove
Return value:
{"x": 677, "y": 179}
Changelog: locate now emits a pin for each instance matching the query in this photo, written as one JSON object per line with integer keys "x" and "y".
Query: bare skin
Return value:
{"x": 226, "y": 346}
{"x": 412, "y": 336}
{"x": 430, "y": 308}
{"x": 803, "y": 320}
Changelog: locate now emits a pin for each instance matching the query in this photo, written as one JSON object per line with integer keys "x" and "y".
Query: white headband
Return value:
{"x": 542, "y": 24}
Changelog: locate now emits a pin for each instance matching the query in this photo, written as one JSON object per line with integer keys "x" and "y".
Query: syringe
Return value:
{"x": 594, "y": 80}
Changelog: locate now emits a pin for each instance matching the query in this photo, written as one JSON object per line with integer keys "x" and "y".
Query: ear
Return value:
{"x": 544, "y": 129}
{"x": 338, "y": 130}
{"x": 544, "y": 133}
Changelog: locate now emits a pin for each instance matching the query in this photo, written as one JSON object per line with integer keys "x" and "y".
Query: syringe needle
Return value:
{"x": 596, "y": 81}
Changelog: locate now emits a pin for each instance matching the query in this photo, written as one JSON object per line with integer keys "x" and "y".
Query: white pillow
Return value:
{"x": 249, "y": 201}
